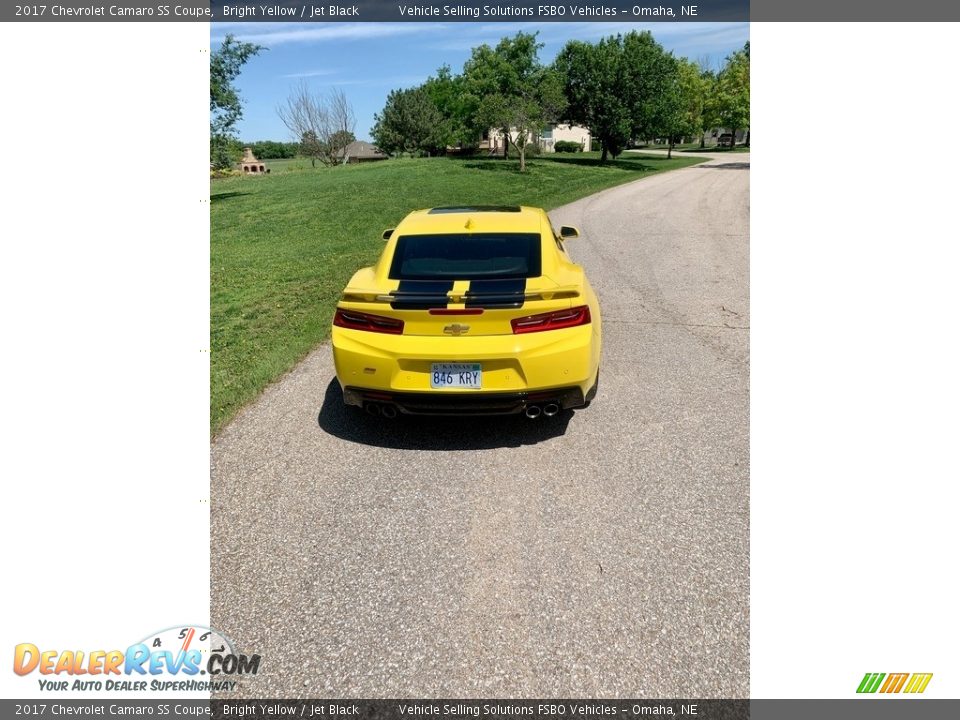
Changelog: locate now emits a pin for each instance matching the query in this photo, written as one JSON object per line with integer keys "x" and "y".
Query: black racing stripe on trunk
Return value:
{"x": 496, "y": 293}
{"x": 421, "y": 294}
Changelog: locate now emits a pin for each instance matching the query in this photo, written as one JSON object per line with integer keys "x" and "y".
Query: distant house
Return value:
{"x": 569, "y": 133}
{"x": 493, "y": 140}
{"x": 712, "y": 136}
{"x": 359, "y": 151}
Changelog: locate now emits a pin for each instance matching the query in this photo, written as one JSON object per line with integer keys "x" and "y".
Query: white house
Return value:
{"x": 570, "y": 133}
{"x": 493, "y": 139}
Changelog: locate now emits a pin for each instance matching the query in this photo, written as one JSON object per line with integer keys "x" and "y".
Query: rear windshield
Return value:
{"x": 462, "y": 256}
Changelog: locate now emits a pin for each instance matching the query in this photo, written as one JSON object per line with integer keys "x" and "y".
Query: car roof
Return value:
{"x": 474, "y": 218}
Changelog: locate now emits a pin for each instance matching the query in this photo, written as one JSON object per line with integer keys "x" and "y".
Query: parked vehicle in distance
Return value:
{"x": 725, "y": 139}
{"x": 469, "y": 311}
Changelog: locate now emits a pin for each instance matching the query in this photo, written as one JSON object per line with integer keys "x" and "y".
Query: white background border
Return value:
{"x": 855, "y": 253}
{"x": 105, "y": 289}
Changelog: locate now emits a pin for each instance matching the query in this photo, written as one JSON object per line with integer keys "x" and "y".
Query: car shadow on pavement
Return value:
{"x": 434, "y": 433}
{"x": 726, "y": 166}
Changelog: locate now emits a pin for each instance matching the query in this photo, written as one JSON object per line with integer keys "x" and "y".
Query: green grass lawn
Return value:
{"x": 283, "y": 245}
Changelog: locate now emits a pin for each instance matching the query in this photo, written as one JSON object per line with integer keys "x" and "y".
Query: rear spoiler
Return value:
{"x": 488, "y": 298}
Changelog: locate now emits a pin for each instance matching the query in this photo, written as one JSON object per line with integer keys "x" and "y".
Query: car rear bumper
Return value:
{"x": 561, "y": 363}
{"x": 477, "y": 403}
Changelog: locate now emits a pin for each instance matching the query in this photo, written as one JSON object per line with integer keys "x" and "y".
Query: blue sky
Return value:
{"x": 367, "y": 60}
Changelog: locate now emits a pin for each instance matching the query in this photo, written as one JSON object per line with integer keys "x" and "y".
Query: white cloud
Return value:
{"x": 310, "y": 73}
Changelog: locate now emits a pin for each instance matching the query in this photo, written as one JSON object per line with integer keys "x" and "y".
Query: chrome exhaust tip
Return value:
{"x": 389, "y": 411}
{"x": 373, "y": 409}
{"x": 532, "y": 411}
{"x": 550, "y": 409}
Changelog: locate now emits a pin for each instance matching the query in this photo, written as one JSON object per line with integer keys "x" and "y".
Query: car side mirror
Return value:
{"x": 569, "y": 231}
{"x": 387, "y": 234}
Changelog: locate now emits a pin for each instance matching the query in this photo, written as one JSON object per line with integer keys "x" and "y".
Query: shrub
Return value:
{"x": 567, "y": 146}
{"x": 224, "y": 151}
{"x": 532, "y": 150}
{"x": 463, "y": 151}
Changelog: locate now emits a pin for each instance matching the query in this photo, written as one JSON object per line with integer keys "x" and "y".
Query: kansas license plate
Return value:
{"x": 455, "y": 375}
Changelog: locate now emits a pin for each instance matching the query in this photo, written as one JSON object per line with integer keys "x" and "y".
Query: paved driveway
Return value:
{"x": 605, "y": 553}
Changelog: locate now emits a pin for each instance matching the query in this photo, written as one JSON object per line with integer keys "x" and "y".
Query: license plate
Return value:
{"x": 455, "y": 375}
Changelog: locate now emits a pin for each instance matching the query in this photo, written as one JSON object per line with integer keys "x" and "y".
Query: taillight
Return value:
{"x": 371, "y": 323}
{"x": 552, "y": 320}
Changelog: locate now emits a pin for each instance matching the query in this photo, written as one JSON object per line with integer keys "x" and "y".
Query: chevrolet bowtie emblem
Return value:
{"x": 456, "y": 329}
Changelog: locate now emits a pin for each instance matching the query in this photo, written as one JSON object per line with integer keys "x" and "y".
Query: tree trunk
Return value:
{"x": 733, "y": 137}
{"x": 703, "y": 140}
{"x": 603, "y": 155}
{"x": 523, "y": 157}
{"x": 670, "y": 148}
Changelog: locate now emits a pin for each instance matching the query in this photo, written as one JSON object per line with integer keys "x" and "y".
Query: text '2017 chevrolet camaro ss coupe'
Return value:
{"x": 469, "y": 311}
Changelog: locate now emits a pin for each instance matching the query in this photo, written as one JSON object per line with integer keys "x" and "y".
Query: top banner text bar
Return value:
{"x": 381, "y": 11}
{"x": 533, "y": 11}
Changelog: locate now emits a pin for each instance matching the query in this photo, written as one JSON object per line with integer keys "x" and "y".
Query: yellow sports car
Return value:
{"x": 469, "y": 311}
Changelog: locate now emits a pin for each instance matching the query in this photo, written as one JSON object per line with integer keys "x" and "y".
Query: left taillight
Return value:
{"x": 364, "y": 321}
{"x": 552, "y": 320}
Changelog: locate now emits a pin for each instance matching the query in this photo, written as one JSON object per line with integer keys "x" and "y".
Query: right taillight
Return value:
{"x": 364, "y": 321}
{"x": 552, "y": 320}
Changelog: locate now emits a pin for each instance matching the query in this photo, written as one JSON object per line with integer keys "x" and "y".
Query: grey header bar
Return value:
{"x": 537, "y": 11}
{"x": 854, "y": 11}
{"x": 872, "y": 708}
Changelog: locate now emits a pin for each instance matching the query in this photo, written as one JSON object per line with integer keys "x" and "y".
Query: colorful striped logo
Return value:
{"x": 894, "y": 682}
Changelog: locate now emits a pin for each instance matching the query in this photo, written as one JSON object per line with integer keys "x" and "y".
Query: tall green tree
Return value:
{"x": 446, "y": 92}
{"x": 649, "y": 85}
{"x": 409, "y": 122}
{"x": 673, "y": 111}
{"x": 708, "y": 80}
{"x": 732, "y": 93}
{"x": 226, "y": 106}
{"x": 512, "y": 91}
{"x": 592, "y": 78}
{"x": 694, "y": 91}
{"x": 683, "y": 101}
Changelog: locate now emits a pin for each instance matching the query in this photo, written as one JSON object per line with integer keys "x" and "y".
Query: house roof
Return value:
{"x": 361, "y": 149}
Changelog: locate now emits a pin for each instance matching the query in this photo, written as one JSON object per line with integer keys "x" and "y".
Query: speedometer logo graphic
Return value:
{"x": 181, "y": 639}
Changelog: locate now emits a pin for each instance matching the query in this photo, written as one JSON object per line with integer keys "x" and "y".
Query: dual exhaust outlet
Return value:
{"x": 548, "y": 410}
{"x": 381, "y": 410}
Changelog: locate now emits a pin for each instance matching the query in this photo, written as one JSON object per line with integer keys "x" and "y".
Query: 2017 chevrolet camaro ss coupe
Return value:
{"x": 469, "y": 311}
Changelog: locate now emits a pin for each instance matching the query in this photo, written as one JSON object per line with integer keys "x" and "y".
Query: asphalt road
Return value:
{"x": 603, "y": 554}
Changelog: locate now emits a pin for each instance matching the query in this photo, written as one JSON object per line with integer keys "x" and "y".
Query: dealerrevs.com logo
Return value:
{"x": 181, "y": 658}
{"x": 894, "y": 683}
